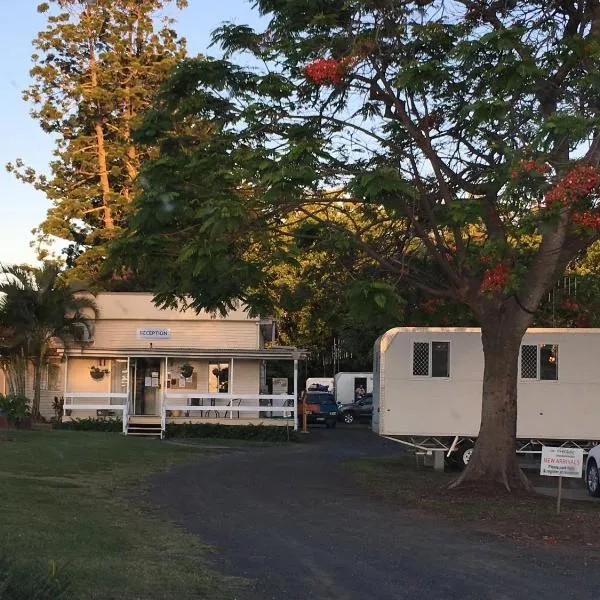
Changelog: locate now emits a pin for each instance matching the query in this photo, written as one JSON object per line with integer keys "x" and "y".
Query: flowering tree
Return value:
{"x": 459, "y": 139}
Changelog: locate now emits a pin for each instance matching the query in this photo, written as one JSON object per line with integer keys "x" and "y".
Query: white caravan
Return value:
{"x": 346, "y": 385}
{"x": 428, "y": 382}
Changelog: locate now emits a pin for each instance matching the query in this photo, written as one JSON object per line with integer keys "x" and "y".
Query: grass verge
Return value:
{"x": 74, "y": 499}
{"x": 521, "y": 517}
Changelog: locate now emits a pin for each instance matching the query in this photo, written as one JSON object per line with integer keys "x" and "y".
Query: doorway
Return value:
{"x": 146, "y": 373}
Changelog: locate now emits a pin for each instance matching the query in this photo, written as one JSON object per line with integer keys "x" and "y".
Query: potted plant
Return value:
{"x": 186, "y": 370}
{"x": 97, "y": 373}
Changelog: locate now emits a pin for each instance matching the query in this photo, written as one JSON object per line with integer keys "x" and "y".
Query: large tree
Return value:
{"x": 461, "y": 139}
{"x": 39, "y": 312}
{"x": 96, "y": 66}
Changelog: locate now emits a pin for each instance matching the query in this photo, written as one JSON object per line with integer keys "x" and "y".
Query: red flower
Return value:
{"x": 574, "y": 186}
{"x": 328, "y": 70}
{"x": 495, "y": 277}
{"x": 528, "y": 166}
{"x": 586, "y": 218}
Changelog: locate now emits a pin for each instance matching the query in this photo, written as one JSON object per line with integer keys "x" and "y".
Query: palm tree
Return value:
{"x": 39, "y": 311}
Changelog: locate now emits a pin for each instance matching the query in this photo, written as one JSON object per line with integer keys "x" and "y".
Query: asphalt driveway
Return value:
{"x": 292, "y": 520}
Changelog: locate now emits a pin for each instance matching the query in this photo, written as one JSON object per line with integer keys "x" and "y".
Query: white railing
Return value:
{"x": 126, "y": 415}
{"x": 71, "y": 404}
{"x": 226, "y": 403}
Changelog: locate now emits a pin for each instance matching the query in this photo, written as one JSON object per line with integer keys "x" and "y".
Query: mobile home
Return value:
{"x": 346, "y": 384}
{"x": 428, "y": 383}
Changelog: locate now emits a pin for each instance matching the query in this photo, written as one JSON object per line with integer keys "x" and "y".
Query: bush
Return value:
{"x": 31, "y": 582}
{"x": 15, "y": 409}
{"x": 90, "y": 424}
{"x": 261, "y": 433}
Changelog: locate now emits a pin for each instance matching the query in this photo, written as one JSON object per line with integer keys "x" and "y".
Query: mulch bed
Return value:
{"x": 519, "y": 516}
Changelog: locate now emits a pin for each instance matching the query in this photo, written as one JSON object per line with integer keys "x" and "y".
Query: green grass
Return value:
{"x": 76, "y": 499}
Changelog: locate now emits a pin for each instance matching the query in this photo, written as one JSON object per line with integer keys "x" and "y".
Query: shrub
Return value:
{"x": 262, "y": 433}
{"x": 91, "y": 424}
{"x": 15, "y": 409}
{"x": 57, "y": 407}
{"x": 20, "y": 581}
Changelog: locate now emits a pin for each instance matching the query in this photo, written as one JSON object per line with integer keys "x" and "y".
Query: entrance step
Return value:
{"x": 145, "y": 429}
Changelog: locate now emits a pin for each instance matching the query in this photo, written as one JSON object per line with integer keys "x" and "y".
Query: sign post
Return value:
{"x": 561, "y": 462}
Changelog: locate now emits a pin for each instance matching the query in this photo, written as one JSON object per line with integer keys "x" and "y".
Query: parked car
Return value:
{"x": 320, "y": 408}
{"x": 361, "y": 410}
{"x": 592, "y": 473}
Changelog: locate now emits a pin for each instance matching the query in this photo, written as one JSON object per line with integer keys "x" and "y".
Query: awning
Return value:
{"x": 278, "y": 353}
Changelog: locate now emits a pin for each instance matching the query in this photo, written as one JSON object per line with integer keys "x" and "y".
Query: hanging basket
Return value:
{"x": 97, "y": 373}
{"x": 186, "y": 370}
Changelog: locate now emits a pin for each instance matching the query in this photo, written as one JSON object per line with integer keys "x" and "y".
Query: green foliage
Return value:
{"x": 407, "y": 145}
{"x": 96, "y": 66}
{"x": 57, "y": 406}
{"x": 21, "y": 581}
{"x": 38, "y": 308}
{"x": 405, "y": 163}
{"x": 258, "y": 433}
{"x": 106, "y": 424}
{"x": 15, "y": 408}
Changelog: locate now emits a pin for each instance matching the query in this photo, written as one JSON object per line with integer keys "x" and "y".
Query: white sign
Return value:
{"x": 153, "y": 333}
{"x": 561, "y": 462}
{"x": 280, "y": 385}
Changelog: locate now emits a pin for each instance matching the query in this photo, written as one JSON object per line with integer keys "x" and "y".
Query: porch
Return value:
{"x": 150, "y": 390}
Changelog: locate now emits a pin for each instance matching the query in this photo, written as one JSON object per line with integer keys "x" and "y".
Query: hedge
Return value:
{"x": 262, "y": 433}
{"x": 91, "y": 424}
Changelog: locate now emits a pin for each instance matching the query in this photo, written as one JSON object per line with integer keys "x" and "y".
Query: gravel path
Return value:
{"x": 292, "y": 520}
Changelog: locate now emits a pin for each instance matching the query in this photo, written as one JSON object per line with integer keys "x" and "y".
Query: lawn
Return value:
{"x": 76, "y": 499}
{"x": 521, "y": 517}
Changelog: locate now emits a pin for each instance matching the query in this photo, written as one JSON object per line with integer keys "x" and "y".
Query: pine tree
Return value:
{"x": 97, "y": 65}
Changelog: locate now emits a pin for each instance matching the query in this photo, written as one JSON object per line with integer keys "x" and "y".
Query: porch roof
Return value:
{"x": 281, "y": 353}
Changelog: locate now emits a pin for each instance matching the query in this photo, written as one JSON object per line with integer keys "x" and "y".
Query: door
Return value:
{"x": 147, "y": 390}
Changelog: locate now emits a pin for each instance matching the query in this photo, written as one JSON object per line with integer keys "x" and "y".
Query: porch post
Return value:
{"x": 128, "y": 380}
{"x": 164, "y": 386}
{"x": 230, "y": 390}
{"x": 295, "y": 394}
{"x": 65, "y": 383}
{"x": 128, "y": 403}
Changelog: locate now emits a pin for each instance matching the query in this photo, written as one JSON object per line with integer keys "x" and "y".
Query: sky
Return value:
{"x": 22, "y": 207}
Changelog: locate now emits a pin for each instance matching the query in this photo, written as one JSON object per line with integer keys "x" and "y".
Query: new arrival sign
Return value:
{"x": 153, "y": 333}
{"x": 561, "y": 462}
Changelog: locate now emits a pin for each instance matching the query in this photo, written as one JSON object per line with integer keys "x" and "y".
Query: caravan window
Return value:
{"x": 431, "y": 359}
{"x": 539, "y": 362}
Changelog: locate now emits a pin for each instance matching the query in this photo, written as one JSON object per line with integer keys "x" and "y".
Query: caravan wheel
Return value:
{"x": 463, "y": 454}
{"x": 592, "y": 478}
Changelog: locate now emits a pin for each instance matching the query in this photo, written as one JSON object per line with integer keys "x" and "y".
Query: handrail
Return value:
{"x": 228, "y": 407}
{"x": 215, "y": 395}
{"x": 94, "y": 407}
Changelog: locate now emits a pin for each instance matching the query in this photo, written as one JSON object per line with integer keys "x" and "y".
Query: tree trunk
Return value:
{"x": 101, "y": 148}
{"x": 37, "y": 390}
{"x": 16, "y": 369}
{"x": 494, "y": 459}
{"x": 103, "y": 173}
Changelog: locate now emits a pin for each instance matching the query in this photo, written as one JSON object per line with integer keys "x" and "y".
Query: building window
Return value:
{"x": 218, "y": 378}
{"x": 431, "y": 359}
{"x": 539, "y": 362}
{"x": 50, "y": 377}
